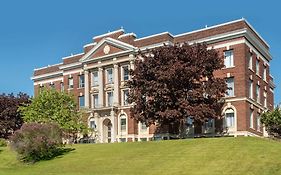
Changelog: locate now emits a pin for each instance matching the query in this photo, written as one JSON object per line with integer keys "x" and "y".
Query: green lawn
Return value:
{"x": 242, "y": 155}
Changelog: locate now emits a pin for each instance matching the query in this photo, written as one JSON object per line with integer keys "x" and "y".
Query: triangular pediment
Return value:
{"x": 107, "y": 47}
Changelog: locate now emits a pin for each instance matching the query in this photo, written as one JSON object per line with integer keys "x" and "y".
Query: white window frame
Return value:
{"x": 94, "y": 103}
{"x": 264, "y": 73}
{"x": 52, "y": 85}
{"x": 123, "y": 129}
{"x": 79, "y": 101}
{"x": 250, "y": 62}
{"x": 107, "y": 99}
{"x": 251, "y": 118}
{"x": 143, "y": 127}
{"x": 257, "y": 66}
{"x": 258, "y": 95}
{"x": 265, "y": 99}
{"x": 61, "y": 86}
{"x": 251, "y": 86}
{"x": 230, "y": 111}
{"x": 123, "y": 73}
{"x": 258, "y": 123}
{"x": 230, "y": 90}
{"x": 228, "y": 59}
{"x": 95, "y": 83}
{"x": 107, "y": 76}
{"x": 81, "y": 81}
{"x": 90, "y": 124}
{"x": 70, "y": 83}
{"x": 124, "y": 103}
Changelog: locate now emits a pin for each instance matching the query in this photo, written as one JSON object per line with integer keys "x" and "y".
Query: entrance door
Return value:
{"x": 107, "y": 125}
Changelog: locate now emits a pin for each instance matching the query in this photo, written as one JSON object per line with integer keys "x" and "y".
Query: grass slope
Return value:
{"x": 242, "y": 155}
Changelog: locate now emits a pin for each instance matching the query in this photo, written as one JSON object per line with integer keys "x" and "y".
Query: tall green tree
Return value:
{"x": 272, "y": 122}
{"x": 10, "y": 118}
{"x": 171, "y": 83}
{"x": 51, "y": 106}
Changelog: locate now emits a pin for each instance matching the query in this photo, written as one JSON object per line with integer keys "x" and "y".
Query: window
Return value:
{"x": 252, "y": 118}
{"x": 41, "y": 87}
{"x": 81, "y": 81}
{"x": 257, "y": 67}
{"x": 251, "y": 89}
{"x": 122, "y": 139}
{"x": 143, "y": 126}
{"x": 52, "y": 85}
{"x": 189, "y": 121}
{"x": 61, "y": 87}
{"x": 125, "y": 97}
{"x": 95, "y": 78}
{"x": 230, "y": 86}
{"x": 258, "y": 93}
{"x": 70, "y": 83}
{"x": 258, "y": 123}
{"x": 93, "y": 124}
{"x": 250, "y": 62}
{"x": 96, "y": 100}
{"x": 81, "y": 101}
{"x": 229, "y": 118}
{"x": 123, "y": 123}
{"x": 109, "y": 76}
{"x": 209, "y": 123}
{"x": 264, "y": 73}
{"x": 228, "y": 59}
{"x": 109, "y": 98}
{"x": 125, "y": 73}
{"x": 265, "y": 99}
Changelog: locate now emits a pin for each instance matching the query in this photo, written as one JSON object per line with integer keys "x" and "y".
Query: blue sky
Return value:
{"x": 35, "y": 33}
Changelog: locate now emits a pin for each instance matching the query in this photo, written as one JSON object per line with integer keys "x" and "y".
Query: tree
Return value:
{"x": 10, "y": 118}
{"x": 51, "y": 106}
{"x": 172, "y": 83}
{"x": 272, "y": 122}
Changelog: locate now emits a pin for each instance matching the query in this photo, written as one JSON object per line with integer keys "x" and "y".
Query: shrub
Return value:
{"x": 272, "y": 122}
{"x": 34, "y": 141}
{"x": 3, "y": 142}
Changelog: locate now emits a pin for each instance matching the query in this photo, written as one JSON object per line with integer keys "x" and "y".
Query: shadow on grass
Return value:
{"x": 58, "y": 153}
{"x": 62, "y": 151}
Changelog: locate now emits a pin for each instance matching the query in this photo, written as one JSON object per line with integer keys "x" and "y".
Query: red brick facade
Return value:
{"x": 112, "y": 51}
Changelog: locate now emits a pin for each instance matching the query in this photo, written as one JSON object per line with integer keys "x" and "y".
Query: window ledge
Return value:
{"x": 230, "y": 96}
{"x": 258, "y": 76}
{"x": 251, "y": 69}
{"x": 228, "y": 67}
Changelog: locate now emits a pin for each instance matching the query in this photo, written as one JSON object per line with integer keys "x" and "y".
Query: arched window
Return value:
{"x": 229, "y": 118}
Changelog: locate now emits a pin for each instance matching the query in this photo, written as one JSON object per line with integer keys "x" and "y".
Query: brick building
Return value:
{"x": 97, "y": 79}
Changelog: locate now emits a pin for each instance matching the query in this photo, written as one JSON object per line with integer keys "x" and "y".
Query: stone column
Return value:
{"x": 116, "y": 86}
{"x": 86, "y": 88}
{"x": 113, "y": 129}
{"x": 100, "y": 75}
{"x": 98, "y": 131}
